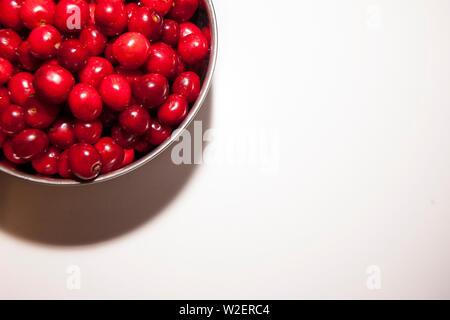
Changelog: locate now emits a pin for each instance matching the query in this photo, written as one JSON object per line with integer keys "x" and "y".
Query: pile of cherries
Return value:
{"x": 87, "y": 86}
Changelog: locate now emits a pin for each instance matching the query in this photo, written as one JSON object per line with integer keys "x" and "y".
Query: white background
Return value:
{"x": 331, "y": 154}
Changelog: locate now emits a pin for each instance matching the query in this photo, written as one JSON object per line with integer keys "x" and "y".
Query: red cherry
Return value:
{"x": 132, "y": 76}
{"x": 183, "y": 10}
{"x": 123, "y": 138}
{"x": 36, "y": 12}
{"x": 62, "y": 134}
{"x": 9, "y": 43}
{"x": 131, "y": 50}
{"x": 92, "y": 7}
{"x": 111, "y": 17}
{"x": 93, "y": 40}
{"x": 26, "y": 59}
{"x": 188, "y": 85}
{"x": 160, "y": 6}
{"x": 174, "y": 111}
{"x": 6, "y": 70}
{"x": 128, "y": 157}
{"x": 85, "y": 103}
{"x": 4, "y": 98}
{"x": 10, "y": 154}
{"x": 47, "y": 164}
{"x": 29, "y": 144}
{"x": 163, "y": 59}
{"x": 171, "y": 32}
{"x": 109, "y": 55}
{"x": 143, "y": 146}
{"x": 44, "y": 41}
{"x": 53, "y": 83}
{"x": 188, "y": 28}
{"x": 39, "y": 114}
{"x": 21, "y": 87}
{"x": 115, "y": 92}
{"x": 135, "y": 119}
{"x": 148, "y": 22}
{"x": 63, "y": 165}
{"x": 158, "y": 133}
{"x": 72, "y": 55}
{"x": 71, "y": 15}
{"x": 3, "y": 138}
{"x": 152, "y": 90}
{"x": 131, "y": 8}
{"x": 10, "y": 14}
{"x": 207, "y": 33}
{"x": 111, "y": 153}
{"x": 193, "y": 48}
{"x": 12, "y": 119}
{"x": 88, "y": 132}
{"x": 181, "y": 66}
{"x": 108, "y": 117}
{"x": 95, "y": 70}
{"x": 84, "y": 160}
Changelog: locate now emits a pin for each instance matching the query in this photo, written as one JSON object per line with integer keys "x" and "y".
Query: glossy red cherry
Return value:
{"x": 85, "y": 161}
{"x": 71, "y": 15}
{"x": 4, "y": 98}
{"x": 93, "y": 40}
{"x": 63, "y": 165}
{"x": 152, "y": 90}
{"x": 132, "y": 76}
{"x": 188, "y": 85}
{"x": 91, "y": 21}
{"x": 123, "y": 138}
{"x": 163, "y": 59}
{"x": 62, "y": 134}
{"x": 88, "y": 131}
{"x": 131, "y": 8}
{"x": 29, "y": 144}
{"x": 111, "y": 17}
{"x": 9, "y": 43}
{"x": 160, "y": 6}
{"x": 39, "y": 114}
{"x": 207, "y": 33}
{"x": 10, "y": 154}
{"x": 26, "y": 59}
{"x": 183, "y": 10}
{"x": 47, "y": 164}
{"x": 21, "y": 87}
{"x": 72, "y": 55}
{"x": 135, "y": 119}
{"x": 193, "y": 48}
{"x": 171, "y": 32}
{"x": 3, "y": 138}
{"x": 174, "y": 111}
{"x": 158, "y": 133}
{"x": 143, "y": 146}
{"x": 111, "y": 153}
{"x": 12, "y": 119}
{"x": 6, "y": 70}
{"x": 115, "y": 92}
{"x": 95, "y": 70}
{"x": 108, "y": 117}
{"x": 148, "y": 22}
{"x": 109, "y": 55}
{"x": 53, "y": 83}
{"x": 10, "y": 14}
{"x": 188, "y": 28}
{"x": 36, "y": 12}
{"x": 131, "y": 50}
{"x": 128, "y": 157}
{"x": 85, "y": 102}
{"x": 44, "y": 41}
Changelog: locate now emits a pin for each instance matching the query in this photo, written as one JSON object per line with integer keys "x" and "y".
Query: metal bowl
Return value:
{"x": 205, "y": 16}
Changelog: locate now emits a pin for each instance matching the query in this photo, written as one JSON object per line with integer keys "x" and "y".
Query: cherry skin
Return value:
{"x": 132, "y": 76}
{"x": 93, "y": 40}
{"x": 53, "y": 83}
{"x": 115, "y": 92}
{"x": 36, "y": 12}
{"x": 95, "y": 70}
{"x": 174, "y": 111}
{"x": 85, "y": 102}
{"x": 26, "y": 59}
{"x": 171, "y": 32}
{"x": 123, "y": 138}
{"x": 10, "y": 154}
{"x": 63, "y": 165}
{"x": 88, "y": 131}
{"x": 10, "y": 14}
{"x": 47, "y": 164}
{"x": 85, "y": 161}
{"x": 207, "y": 33}
{"x": 62, "y": 134}
{"x": 111, "y": 17}
{"x": 131, "y": 50}
{"x": 6, "y": 70}
{"x": 64, "y": 18}
{"x": 183, "y": 10}
{"x": 135, "y": 119}
{"x": 152, "y": 90}
{"x": 21, "y": 87}
{"x": 91, "y": 21}
{"x": 143, "y": 146}
{"x": 12, "y": 119}
{"x": 29, "y": 144}
{"x": 9, "y": 43}
{"x": 4, "y": 98}
{"x": 44, "y": 41}
{"x": 163, "y": 59}
{"x": 128, "y": 157}
{"x": 188, "y": 28}
{"x": 188, "y": 85}
{"x": 3, "y": 138}
{"x": 108, "y": 117}
{"x": 72, "y": 55}
{"x": 111, "y": 153}
{"x": 109, "y": 55}
{"x": 158, "y": 133}
{"x": 160, "y": 6}
{"x": 148, "y": 22}
{"x": 39, "y": 114}
{"x": 193, "y": 48}
{"x": 131, "y": 8}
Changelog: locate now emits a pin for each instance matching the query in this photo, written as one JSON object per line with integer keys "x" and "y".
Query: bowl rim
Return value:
{"x": 160, "y": 149}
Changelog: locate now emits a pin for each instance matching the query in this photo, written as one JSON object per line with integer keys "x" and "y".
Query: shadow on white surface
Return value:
{"x": 70, "y": 216}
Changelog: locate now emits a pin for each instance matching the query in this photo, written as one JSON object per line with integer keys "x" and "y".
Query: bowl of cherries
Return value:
{"x": 93, "y": 89}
